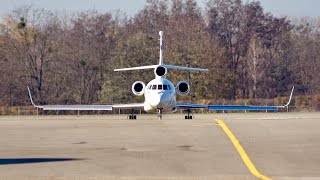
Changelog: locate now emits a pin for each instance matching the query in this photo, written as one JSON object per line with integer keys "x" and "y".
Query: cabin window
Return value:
{"x": 159, "y": 86}
{"x": 149, "y": 87}
{"x": 165, "y": 87}
{"x": 154, "y": 87}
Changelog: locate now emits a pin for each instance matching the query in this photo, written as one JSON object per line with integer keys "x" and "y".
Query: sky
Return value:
{"x": 130, "y": 7}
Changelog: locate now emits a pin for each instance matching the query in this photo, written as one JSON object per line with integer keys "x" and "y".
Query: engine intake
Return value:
{"x": 160, "y": 71}
{"x": 138, "y": 88}
{"x": 183, "y": 88}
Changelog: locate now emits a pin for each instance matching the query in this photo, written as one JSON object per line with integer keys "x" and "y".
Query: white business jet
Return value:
{"x": 160, "y": 94}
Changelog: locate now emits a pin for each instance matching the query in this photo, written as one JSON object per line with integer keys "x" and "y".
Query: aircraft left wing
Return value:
{"x": 86, "y": 107}
{"x": 228, "y": 107}
{"x": 234, "y": 107}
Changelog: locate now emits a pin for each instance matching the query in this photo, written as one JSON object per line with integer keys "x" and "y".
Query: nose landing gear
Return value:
{"x": 160, "y": 114}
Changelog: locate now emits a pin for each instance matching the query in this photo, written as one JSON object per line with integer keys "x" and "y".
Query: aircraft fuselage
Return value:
{"x": 160, "y": 94}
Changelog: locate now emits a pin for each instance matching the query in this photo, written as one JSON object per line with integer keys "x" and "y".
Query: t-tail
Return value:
{"x": 161, "y": 48}
{"x": 161, "y": 66}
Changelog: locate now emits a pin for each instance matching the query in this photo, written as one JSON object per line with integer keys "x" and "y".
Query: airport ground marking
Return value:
{"x": 241, "y": 151}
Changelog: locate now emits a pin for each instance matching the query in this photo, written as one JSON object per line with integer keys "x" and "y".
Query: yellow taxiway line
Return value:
{"x": 241, "y": 151}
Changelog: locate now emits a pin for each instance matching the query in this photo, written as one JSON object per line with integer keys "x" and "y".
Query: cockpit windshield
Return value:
{"x": 154, "y": 87}
{"x": 159, "y": 87}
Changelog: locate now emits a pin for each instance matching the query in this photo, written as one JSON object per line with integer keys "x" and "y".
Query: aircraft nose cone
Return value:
{"x": 159, "y": 102}
{"x": 155, "y": 101}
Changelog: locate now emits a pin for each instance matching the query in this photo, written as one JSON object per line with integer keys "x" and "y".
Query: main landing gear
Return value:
{"x": 132, "y": 115}
{"x": 188, "y": 116}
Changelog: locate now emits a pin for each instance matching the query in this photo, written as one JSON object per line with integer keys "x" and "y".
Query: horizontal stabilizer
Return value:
{"x": 137, "y": 68}
{"x": 164, "y": 65}
{"x": 184, "y": 68}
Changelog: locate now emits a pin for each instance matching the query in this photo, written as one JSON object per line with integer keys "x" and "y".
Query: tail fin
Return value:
{"x": 161, "y": 62}
{"x": 161, "y": 48}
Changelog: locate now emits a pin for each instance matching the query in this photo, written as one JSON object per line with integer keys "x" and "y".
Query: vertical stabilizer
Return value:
{"x": 161, "y": 48}
{"x": 164, "y": 66}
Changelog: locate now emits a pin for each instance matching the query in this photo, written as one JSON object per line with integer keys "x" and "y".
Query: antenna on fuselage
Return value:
{"x": 161, "y": 48}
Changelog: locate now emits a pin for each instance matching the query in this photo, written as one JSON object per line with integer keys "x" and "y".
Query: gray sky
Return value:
{"x": 130, "y": 7}
{"x": 292, "y": 7}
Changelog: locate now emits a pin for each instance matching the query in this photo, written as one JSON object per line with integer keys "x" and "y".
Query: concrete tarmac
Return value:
{"x": 280, "y": 145}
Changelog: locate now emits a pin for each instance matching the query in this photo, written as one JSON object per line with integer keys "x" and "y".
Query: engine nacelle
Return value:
{"x": 183, "y": 88}
{"x": 138, "y": 88}
{"x": 160, "y": 71}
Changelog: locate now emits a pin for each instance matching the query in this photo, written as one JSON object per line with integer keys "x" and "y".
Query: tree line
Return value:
{"x": 69, "y": 58}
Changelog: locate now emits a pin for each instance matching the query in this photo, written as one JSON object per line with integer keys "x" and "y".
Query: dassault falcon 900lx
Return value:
{"x": 160, "y": 94}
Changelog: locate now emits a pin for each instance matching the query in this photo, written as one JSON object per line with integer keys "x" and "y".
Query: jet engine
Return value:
{"x": 138, "y": 88}
{"x": 160, "y": 71}
{"x": 183, "y": 88}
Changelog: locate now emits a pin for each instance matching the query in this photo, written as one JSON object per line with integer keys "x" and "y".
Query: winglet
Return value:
{"x": 30, "y": 96}
{"x": 289, "y": 98}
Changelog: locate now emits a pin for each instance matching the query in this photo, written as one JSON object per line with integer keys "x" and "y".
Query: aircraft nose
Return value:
{"x": 160, "y": 101}
{"x": 155, "y": 101}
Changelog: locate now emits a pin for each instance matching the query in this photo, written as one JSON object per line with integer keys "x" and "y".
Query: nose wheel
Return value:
{"x": 160, "y": 114}
{"x": 190, "y": 115}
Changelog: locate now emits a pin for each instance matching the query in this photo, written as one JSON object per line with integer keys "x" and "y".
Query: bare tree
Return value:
{"x": 30, "y": 45}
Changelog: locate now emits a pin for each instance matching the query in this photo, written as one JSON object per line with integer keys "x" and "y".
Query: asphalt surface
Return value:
{"x": 280, "y": 145}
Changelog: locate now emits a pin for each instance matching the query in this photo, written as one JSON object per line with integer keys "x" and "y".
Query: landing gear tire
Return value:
{"x": 160, "y": 114}
{"x": 132, "y": 115}
{"x": 188, "y": 116}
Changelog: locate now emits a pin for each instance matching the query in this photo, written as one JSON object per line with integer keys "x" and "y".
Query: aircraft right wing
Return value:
{"x": 129, "y": 106}
{"x": 86, "y": 107}
{"x": 76, "y": 107}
